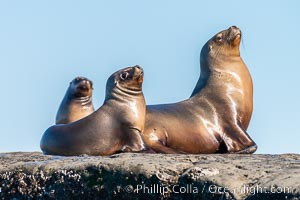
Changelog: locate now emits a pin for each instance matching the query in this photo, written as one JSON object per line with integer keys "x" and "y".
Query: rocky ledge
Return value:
{"x": 149, "y": 176}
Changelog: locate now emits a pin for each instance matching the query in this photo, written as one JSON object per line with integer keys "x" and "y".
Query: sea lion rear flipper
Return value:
{"x": 157, "y": 140}
{"x": 160, "y": 148}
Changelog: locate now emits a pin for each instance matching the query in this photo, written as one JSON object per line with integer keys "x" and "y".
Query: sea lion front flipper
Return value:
{"x": 134, "y": 141}
{"x": 249, "y": 150}
{"x": 237, "y": 140}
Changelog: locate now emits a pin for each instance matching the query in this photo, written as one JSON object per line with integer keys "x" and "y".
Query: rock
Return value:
{"x": 149, "y": 176}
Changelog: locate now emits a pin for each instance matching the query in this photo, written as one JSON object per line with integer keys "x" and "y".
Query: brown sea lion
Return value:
{"x": 77, "y": 102}
{"x": 215, "y": 118}
{"x": 115, "y": 127}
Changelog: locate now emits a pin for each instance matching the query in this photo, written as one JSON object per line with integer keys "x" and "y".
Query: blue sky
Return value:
{"x": 45, "y": 44}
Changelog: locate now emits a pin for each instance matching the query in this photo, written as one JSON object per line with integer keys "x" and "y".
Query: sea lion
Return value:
{"x": 215, "y": 118}
{"x": 115, "y": 127}
{"x": 77, "y": 102}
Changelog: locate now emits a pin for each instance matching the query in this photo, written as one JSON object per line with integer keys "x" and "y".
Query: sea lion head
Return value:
{"x": 224, "y": 44}
{"x": 80, "y": 87}
{"x": 127, "y": 81}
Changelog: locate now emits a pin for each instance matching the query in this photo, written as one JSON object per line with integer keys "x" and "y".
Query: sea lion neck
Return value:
{"x": 215, "y": 59}
{"x": 220, "y": 71}
{"x": 83, "y": 100}
{"x": 80, "y": 100}
{"x": 122, "y": 94}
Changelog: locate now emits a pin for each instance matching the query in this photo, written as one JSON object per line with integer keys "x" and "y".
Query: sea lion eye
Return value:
{"x": 124, "y": 75}
{"x": 219, "y": 38}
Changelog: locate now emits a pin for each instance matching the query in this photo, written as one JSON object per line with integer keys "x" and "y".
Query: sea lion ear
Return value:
{"x": 210, "y": 47}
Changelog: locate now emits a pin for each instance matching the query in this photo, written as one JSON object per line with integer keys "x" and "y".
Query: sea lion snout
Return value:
{"x": 234, "y": 31}
{"x": 80, "y": 79}
{"x": 138, "y": 73}
{"x": 85, "y": 85}
{"x": 81, "y": 87}
{"x": 233, "y": 27}
{"x": 234, "y": 36}
{"x": 138, "y": 67}
{"x": 138, "y": 70}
